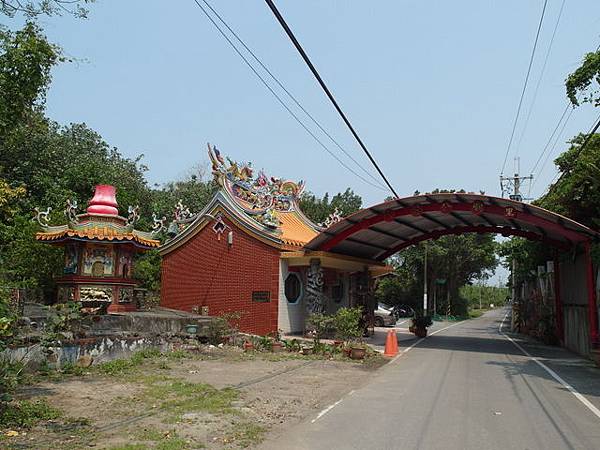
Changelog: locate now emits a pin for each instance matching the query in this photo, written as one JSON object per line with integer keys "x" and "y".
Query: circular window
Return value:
{"x": 293, "y": 288}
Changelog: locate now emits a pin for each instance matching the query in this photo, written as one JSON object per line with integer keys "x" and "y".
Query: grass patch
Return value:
{"x": 179, "y": 397}
{"x": 245, "y": 434}
{"x": 25, "y": 414}
{"x": 130, "y": 447}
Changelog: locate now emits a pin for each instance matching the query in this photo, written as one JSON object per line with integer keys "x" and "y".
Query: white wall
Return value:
{"x": 291, "y": 315}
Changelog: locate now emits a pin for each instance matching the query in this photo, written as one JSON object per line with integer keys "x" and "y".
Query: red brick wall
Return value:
{"x": 207, "y": 272}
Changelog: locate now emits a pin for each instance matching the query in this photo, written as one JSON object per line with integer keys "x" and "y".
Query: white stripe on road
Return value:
{"x": 407, "y": 349}
{"x": 330, "y": 407}
{"x": 554, "y": 375}
{"x": 326, "y": 410}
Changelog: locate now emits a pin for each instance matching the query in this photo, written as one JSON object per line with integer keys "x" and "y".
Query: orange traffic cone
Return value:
{"x": 391, "y": 344}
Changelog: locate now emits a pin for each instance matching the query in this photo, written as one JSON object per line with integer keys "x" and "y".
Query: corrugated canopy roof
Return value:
{"x": 382, "y": 230}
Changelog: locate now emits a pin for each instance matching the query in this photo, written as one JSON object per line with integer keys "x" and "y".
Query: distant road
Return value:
{"x": 467, "y": 387}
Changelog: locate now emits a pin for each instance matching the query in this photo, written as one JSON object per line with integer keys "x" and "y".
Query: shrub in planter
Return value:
{"x": 358, "y": 350}
{"x": 346, "y": 322}
{"x": 420, "y": 324}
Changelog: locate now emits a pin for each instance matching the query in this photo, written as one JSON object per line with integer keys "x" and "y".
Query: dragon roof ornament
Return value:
{"x": 259, "y": 195}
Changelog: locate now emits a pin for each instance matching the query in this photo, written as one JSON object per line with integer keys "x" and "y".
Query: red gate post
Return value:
{"x": 591, "y": 287}
{"x": 560, "y": 329}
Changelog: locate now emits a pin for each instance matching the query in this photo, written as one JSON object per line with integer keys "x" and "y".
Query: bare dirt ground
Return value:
{"x": 219, "y": 398}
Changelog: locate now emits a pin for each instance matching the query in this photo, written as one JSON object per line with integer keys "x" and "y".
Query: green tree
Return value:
{"x": 456, "y": 259}
{"x": 33, "y": 9}
{"x": 584, "y": 83}
{"x": 318, "y": 209}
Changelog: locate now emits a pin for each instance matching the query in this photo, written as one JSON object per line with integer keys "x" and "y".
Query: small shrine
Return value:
{"x": 246, "y": 252}
{"x": 99, "y": 247}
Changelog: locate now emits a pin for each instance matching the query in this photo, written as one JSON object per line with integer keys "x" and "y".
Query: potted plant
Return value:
{"x": 358, "y": 350}
{"x": 420, "y": 324}
{"x": 248, "y": 346}
{"x": 276, "y": 344}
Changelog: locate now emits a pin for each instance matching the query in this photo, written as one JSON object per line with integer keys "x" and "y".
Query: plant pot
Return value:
{"x": 191, "y": 328}
{"x": 277, "y": 347}
{"x": 358, "y": 352}
{"x": 420, "y": 332}
{"x": 248, "y": 346}
{"x": 338, "y": 343}
{"x": 307, "y": 350}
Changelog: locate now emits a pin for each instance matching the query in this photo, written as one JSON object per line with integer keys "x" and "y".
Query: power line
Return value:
{"x": 579, "y": 151}
{"x": 312, "y": 68}
{"x": 512, "y": 134}
{"x": 287, "y": 108}
{"x": 290, "y": 95}
{"x": 539, "y": 81}
{"x": 551, "y": 137}
{"x": 551, "y": 149}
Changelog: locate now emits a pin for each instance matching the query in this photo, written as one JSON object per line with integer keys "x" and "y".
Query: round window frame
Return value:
{"x": 300, "y": 292}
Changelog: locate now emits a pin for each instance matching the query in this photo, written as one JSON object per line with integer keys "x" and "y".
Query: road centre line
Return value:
{"x": 407, "y": 349}
{"x": 552, "y": 373}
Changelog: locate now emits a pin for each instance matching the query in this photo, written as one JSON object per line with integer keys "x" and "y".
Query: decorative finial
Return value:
{"x": 42, "y": 218}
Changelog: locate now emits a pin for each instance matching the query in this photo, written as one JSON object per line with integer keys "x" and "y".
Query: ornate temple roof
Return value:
{"x": 101, "y": 222}
{"x": 266, "y": 207}
{"x": 270, "y": 201}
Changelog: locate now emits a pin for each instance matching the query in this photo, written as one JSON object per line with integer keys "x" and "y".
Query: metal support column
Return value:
{"x": 591, "y": 288}
{"x": 560, "y": 329}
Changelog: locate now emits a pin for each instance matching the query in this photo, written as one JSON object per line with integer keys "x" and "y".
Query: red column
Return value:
{"x": 560, "y": 331}
{"x": 591, "y": 287}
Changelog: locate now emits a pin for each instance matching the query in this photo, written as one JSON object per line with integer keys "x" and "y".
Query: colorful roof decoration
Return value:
{"x": 271, "y": 201}
{"x": 265, "y": 206}
{"x": 100, "y": 222}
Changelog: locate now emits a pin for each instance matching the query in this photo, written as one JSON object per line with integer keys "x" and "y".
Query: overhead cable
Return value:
{"x": 539, "y": 81}
{"x": 280, "y": 100}
{"x": 312, "y": 68}
{"x": 289, "y": 94}
{"x": 564, "y": 113}
{"x": 587, "y": 139}
{"x": 514, "y": 127}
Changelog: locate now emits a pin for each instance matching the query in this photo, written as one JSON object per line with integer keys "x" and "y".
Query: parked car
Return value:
{"x": 403, "y": 311}
{"x": 384, "y": 316}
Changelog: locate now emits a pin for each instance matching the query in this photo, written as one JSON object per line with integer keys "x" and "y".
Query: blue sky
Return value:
{"x": 431, "y": 86}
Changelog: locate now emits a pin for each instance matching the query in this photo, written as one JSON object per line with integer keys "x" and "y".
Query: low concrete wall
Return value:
{"x": 101, "y": 349}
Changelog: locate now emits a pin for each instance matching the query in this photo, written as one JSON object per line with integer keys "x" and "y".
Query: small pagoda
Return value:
{"x": 99, "y": 251}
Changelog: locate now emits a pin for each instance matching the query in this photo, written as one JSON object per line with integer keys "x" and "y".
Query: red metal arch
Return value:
{"x": 476, "y": 208}
{"x": 504, "y": 231}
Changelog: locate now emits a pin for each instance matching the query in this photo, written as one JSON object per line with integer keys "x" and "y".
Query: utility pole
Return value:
{"x": 425, "y": 282}
{"x": 512, "y": 185}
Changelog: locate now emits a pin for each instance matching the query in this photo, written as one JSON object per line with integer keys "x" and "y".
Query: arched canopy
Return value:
{"x": 382, "y": 230}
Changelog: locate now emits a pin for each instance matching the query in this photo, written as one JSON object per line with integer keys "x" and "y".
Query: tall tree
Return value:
{"x": 318, "y": 209}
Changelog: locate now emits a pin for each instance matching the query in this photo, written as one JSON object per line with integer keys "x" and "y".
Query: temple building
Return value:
{"x": 245, "y": 251}
{"x": 99, "y": 252}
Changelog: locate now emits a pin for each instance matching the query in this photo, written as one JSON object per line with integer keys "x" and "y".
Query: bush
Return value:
{"x": 347, "y": 323}
{"x": 321, "y": 325}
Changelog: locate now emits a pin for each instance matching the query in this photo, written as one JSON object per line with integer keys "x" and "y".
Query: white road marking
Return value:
{"x": 407, "y": 349}
{"x": 330, "y": 407}
{"x": 326, "y": 410}
{"x": 552, "y": 373}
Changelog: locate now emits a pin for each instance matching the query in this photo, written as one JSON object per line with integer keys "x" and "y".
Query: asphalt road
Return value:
{"x": 466, "y": 387}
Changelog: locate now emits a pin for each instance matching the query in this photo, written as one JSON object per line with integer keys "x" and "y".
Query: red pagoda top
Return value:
{"x": 104, "y": 201}
{"x": 100, "y": 222}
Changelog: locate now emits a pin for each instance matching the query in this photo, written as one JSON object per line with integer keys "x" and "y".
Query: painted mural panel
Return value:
{"x": 98, "y": 260}
{"x": 124, "y": 265}
{"x": 71, "y": 258}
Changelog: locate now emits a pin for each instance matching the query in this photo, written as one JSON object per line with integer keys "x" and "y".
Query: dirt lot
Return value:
{"x": 217, "y": 398}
